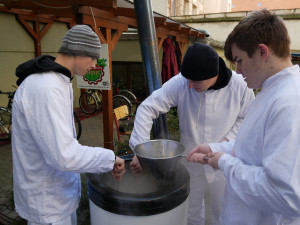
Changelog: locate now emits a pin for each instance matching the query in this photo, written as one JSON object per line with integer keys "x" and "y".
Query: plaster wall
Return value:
{"x": 127, "y": 51}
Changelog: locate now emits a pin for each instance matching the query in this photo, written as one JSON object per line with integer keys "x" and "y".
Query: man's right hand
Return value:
{"x": 135, "y": 166}
{"x": 119, "y": 168}
{"x": 199, "y": 154}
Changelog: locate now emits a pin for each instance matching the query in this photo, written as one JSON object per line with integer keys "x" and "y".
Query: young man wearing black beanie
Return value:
{"x": 211, "y": 103}
{"x": 47, "y": 158}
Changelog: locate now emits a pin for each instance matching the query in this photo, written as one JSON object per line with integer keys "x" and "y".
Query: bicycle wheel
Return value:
{"x": 77, "y": 125}
{"x": 5, "y": 124}
{"x": 88, "y": 103}
{"x": 120, "y": 100}
{"x": 133, "y": 100}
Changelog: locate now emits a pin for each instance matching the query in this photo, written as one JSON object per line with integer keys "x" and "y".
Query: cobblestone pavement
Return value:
{"x": 92, "y": 135}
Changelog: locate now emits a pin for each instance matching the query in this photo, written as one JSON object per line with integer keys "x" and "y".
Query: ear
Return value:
{"x": 263, "y": 51}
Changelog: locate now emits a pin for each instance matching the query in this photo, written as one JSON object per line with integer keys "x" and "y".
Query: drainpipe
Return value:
{"x": 150, "y": 56}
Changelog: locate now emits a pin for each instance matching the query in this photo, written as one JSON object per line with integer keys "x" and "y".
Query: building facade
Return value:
{"x": 249, "y": 5}
{"x": 196, "y": 7}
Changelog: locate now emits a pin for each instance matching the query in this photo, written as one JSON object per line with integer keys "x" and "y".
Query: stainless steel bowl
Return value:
{"x": 159, "y": 157}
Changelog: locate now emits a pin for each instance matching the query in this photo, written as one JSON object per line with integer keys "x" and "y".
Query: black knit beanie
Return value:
{"x": 200, "y": 62}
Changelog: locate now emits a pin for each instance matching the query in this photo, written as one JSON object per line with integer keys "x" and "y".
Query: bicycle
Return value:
{"x": 91, "y": 101}
{"x": 5, "y": 117}
{"x": 128, "y": 94}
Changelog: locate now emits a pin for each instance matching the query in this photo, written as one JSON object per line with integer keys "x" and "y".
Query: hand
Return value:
{"x": 198, "y": 154}
{"x": 214, "y": 159}
{"x": 119, "y": 168}
{"x": 135, "y": 166}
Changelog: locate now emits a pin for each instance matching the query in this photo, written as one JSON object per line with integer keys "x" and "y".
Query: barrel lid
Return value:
{"x": 138, "y": 195}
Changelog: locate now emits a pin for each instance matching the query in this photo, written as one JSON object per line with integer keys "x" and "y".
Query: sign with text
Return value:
{"x": 99, "y": 77}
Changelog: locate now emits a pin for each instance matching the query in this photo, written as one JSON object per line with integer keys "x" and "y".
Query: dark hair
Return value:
{"x": 259, "y": 27}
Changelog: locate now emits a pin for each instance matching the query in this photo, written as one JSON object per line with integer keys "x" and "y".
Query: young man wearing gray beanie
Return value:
{"x": 47, "y": 158}
{"x": 211, "y": 103}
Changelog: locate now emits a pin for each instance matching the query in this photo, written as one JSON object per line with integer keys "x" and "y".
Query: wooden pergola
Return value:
{"x": 108, "y": 18}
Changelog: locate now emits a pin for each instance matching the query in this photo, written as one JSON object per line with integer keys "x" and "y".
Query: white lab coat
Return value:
{"x": 47, "y": 158}
{"x": 221, "y": 114}
{"x": 263, "y": 172}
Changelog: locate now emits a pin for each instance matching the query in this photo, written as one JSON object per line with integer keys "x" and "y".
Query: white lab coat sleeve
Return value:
{"x": 248, "y": 97}
{"x": 159, "y": 102}
{"x": 274, "y": 185}
{"x": 225, "y": 147}
{"x": 52, "y": 129}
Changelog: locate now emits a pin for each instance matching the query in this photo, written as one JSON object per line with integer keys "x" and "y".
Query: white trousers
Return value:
{"x": 200, "y": 182}
{"x": 70, "y": 220}
{"x": 216, "y": 188}
{"x": 198, "y": 185}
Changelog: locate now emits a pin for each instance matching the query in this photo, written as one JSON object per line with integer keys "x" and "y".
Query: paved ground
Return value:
{"x": 92, "y": 135}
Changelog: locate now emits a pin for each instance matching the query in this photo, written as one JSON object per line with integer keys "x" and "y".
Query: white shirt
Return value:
{"x": 263, "y": 179}
{"x": 221, "y": 112}
{"x": 47, "y": 158}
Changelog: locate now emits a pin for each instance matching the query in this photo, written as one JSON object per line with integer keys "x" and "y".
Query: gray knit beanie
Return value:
{"x": 81, "y": 40}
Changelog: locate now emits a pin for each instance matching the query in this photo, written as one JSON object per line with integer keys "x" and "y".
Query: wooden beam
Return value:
{"x": 107, "y": 98}
{"x": 182, "y": 43}
{"x": 29, "y": 30}
{"x": 42, "y": 19}
{"x": 45, "y": 29}
{"x": 128, "y": 12}
{"x": 116, "y": 34}
{"x": 95, "y": 3}
{"x": 160, "y": 21}
{"x": 197, "y": 34}
{"x": 39, "y": 17}
{"x": 160, "y": 41}
{"x": 161, "y": 35}
{"x": 174, "y": 26}
{"x": 64, "y": 11}
{"x": 160, "y": 31}
{"x": 37, "y": 41}
{"x": 106, "y": 15}
{"x": 186, "y": 30}
{"x": 101, "y": 36}
{"x": 104, "y": 23}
